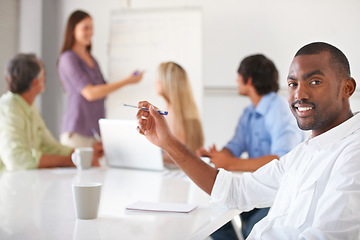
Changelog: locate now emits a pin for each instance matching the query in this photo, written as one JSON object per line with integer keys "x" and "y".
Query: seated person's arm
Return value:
{"x": 49, "y": 161}
{"x": 167, "y": 158}
{"x": 179, "y": 136}
{"x": 57, "y": 155}
{"x": 200, "y": 172}
{"x": 225, "y": 159}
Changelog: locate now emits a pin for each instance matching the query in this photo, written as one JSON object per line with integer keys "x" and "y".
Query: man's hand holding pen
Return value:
{"x": 153, "y": 125}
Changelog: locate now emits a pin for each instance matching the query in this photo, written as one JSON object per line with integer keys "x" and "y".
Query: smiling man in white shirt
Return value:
{"x": 314, "y": 190}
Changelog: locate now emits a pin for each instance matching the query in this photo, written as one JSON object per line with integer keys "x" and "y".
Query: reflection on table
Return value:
{"x": 38, "y": 204}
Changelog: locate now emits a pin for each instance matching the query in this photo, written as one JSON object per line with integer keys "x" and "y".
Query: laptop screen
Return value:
{"x": 125, "y": 147}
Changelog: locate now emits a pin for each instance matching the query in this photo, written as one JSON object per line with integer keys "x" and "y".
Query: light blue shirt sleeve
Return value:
{"x": 237, "y": 145}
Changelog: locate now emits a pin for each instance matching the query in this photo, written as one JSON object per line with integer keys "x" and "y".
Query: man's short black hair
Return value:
{"x": 338, "y": 59}
{"x": 20, "y": 71}
{"x": 265, "y": 77}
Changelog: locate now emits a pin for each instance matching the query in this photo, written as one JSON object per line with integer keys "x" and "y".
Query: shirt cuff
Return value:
{"x": 220, "y": 191}
{"x": 36, "y": 155}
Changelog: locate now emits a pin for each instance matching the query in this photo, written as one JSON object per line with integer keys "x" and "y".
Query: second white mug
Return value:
{"x": 82, "y": 157}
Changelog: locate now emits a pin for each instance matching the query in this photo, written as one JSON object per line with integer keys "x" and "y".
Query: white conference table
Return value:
{"x": 38, "y": 204}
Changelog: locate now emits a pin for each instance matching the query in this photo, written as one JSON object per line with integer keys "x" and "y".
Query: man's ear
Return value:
{"x": 35, "y": 82}
{"x": 8, "y": 81}
{"x": 349, "y": 87}
{"x": 249, "y": 81}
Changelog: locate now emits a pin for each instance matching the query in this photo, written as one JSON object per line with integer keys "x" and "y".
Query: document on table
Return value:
{"x": 162, "y": 207}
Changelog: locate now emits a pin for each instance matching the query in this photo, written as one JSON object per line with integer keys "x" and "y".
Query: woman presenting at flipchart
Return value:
{"x": 83, "y": 82}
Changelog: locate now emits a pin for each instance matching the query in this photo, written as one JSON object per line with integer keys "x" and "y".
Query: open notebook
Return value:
{"x": 162, "y": 207}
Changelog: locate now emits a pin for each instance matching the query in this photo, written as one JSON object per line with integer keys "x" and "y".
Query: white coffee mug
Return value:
{"x": 86, "y": 199}
{"x": 82, "y": 157}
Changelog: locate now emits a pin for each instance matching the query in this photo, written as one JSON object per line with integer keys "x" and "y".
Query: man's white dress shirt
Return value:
{"x": 313, "y": 191}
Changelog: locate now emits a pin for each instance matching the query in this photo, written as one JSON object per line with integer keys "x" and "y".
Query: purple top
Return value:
{"x": 75, "y": 74}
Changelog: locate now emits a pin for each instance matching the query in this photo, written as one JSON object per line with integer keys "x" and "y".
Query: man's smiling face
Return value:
{"x": 314, "y": 93}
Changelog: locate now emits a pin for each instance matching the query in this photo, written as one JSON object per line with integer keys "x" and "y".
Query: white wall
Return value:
{"x": 30, "y": 26}
{"x": 9, "y": 31}
{"x": 278, "y": 28}
{"x": 233, "y": 29}
{"x": 30, "y": 30}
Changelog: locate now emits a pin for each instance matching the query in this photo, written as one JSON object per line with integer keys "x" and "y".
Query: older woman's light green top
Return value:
{"x": 24, "y": 136}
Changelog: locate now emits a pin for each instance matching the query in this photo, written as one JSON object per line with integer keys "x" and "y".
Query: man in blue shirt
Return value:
{"x": 266, "y": 130}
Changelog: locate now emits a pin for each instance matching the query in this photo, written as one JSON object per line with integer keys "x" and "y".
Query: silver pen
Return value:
{"x": 146, "y": 109}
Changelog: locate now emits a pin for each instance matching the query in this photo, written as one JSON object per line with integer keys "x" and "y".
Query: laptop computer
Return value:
{"x": 125, "y": 147}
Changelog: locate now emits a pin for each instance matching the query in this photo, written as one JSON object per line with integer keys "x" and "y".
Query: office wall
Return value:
{"x": 30, "y": 30}
{"x": 233, "y": 29}
{"x": 9, "y": 30}
{"x": 142, "y": 39}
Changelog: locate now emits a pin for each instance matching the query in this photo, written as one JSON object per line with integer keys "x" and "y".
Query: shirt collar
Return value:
{"x": 337, "y": 133}
{"x": 22, "y": 103}
{"x": 264, "y": 103}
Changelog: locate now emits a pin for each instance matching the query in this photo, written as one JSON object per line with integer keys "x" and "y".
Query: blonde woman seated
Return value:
{"x": 183, "y": 119}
